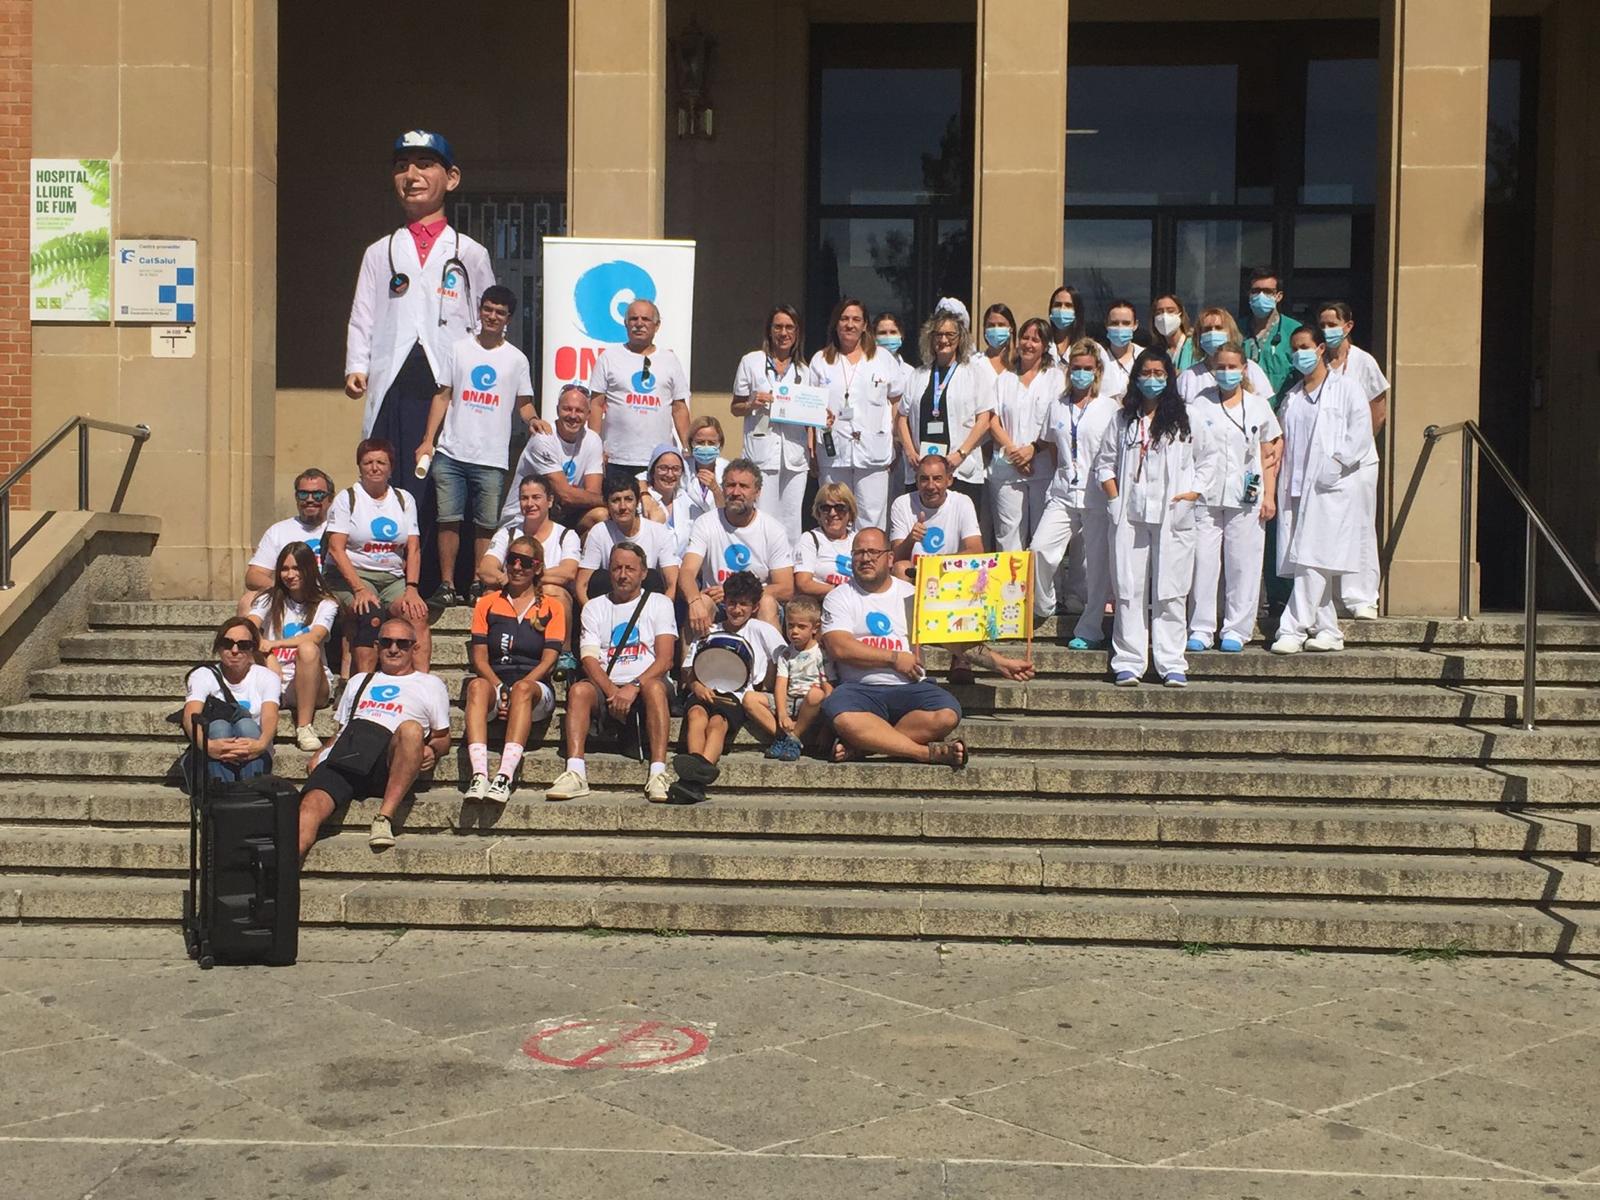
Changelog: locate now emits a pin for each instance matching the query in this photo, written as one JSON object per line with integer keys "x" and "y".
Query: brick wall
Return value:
{"x": 16, "y": 146}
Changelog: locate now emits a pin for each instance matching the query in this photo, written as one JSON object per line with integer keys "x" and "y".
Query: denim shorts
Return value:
{"x": 452, "y": 481}
{"x": 888, "y": 701}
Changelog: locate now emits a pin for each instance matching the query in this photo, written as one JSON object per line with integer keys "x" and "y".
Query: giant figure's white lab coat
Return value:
{"x": 384, "y": 327}
{"x": 1325, "y": 525}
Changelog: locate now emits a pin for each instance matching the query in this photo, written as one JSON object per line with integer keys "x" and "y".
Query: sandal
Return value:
{"x": 843, "y": 754}
{"x": 948, "y": 754}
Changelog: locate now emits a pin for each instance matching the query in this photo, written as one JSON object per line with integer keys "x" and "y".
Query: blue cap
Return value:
{"x": 422, "y": 139}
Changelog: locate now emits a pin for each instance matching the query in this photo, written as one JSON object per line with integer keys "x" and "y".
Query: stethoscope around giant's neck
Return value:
{"x": 400, "y": 282}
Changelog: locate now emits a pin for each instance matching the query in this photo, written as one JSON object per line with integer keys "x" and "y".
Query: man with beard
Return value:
{"x": 736, "y": 537}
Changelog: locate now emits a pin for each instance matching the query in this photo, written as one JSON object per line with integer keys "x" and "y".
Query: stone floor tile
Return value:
{"x": 949, "y": 985}
{"x": 1315, "y": 1144}
{"x": 1559, "y": 1067}
{"x": 129, "y": 1002}
{"x": 157, "y": 943}
{"x": 1429, "y": 1030}
{"x": 25, "y": 1022}
{"x": 56, "y": 1171}
{"x": 1293, "y": 1068}
{"x": 51, "y": 975}
{"x": 1566, "y": 997}
{"x": 1557, "y": 1137}
{"x": 469, "y": 1002}
{"x": 1246, "y": 993}
{"x": 203, "y": 1110}
{"x": 941, "y": 1131}
{"x": 49, "y": 1080}
{"x": 940, "y": 1054}
{"x": 569, "y": 1122}
{"x": 755, "y": 1100}
{"x": 1097, "y": 1017}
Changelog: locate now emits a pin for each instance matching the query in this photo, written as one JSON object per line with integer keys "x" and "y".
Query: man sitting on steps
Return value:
{"x": 313, "y": 496}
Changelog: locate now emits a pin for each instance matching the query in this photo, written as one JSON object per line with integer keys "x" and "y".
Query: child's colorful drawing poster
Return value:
{"x": 973, "y": 597}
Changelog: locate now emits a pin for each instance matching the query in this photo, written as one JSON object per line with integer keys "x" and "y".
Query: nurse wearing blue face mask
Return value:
{"x": 1270, "y": 329}
{"x": 1120, "y": 325}
{"x": 1358, "y": 593}
{"x": 1215, "y": 329}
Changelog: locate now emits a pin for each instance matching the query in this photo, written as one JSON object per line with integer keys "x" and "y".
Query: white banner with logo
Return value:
{"x": 588, "y": 285}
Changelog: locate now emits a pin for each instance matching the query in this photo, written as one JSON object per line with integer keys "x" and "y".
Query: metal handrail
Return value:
{"x": 139, "y": 433}
{"x": 1536, "y": 525}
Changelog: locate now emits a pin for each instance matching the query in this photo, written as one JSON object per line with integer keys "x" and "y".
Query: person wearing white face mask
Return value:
{"x": 1231, "y": 518}
{"x": 1018, "y": 481}
{"x": 1077, "y": 512}
{"x": 1358, "y": 592}
{"x": 1327, "y": 429}
{"x": 1171, "y": 322}
{"x": 1153, "y": 470}
{"x": 1120, "y": 325}
{"x": 945, "y": 411}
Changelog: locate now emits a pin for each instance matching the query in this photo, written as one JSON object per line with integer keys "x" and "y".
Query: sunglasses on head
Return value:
{"x": 386, "y": 643}
{"x": 244, "y": 644}
{"x": 310, "y": 494}
{"x": 524, "y": 561}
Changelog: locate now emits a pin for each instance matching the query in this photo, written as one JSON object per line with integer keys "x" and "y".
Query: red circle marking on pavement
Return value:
{"x": 623, "y": 1045}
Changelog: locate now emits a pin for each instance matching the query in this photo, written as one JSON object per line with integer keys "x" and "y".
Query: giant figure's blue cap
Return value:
{"x": 422, "y": 139}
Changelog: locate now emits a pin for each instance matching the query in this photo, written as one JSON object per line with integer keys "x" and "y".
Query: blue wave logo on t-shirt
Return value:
{"x": 878, "y": 624}
{"x": 603, "y": 293}
{"x": 315, "y": 544}
{"x": 384, "y": 692}
{"x": 843, "y": 565}
{"x": 641, "y": 384}
{"x": 933, "y": 540}
{"x": 570, "y": 470}
{"x": 385, "y": 529}
{"x": 737, "y": 557}
{"x": 294, "y": 629}
{"x": 633, "y": 635}
{"x": 483, "y": 377}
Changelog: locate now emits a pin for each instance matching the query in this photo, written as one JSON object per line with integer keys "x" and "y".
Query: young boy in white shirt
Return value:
{"x": 787, "y": 713}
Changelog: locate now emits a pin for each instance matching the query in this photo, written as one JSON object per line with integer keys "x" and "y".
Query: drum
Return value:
{"x": 723, "y": 662}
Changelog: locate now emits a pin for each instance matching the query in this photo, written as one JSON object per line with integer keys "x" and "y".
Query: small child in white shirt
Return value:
{"x": 787, "y": 713}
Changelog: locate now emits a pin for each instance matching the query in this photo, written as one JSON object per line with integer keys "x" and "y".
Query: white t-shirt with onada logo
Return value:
{"x": 484, "y": 386}
{"x": 390, "y": 699}
{"x": 377, "y": 529}
{"x": 881, "y": 619}
{"x": 947, "y": 525}
{"x": 561, "y": 546}
{"x": 657, "y": 541}
{"x": 548, "y": 454}
{"x": 280, "y": 534}
{"x": 764, "y": 641}
{"x": 761, "y": 547}
{"x": 638, "y": 406}
{"x": 260, "y": 686}
{"x": 296, "y": 620}
{"x": 823, "y": 558}
{"x": 602, "y": 627}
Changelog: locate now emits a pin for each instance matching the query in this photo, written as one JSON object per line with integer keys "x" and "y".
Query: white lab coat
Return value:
{"x": 1172, "y": 466}
{"x": 384, "y": 327}
{"x": 965, "y": 396}
{"x": 1324, "y": 528}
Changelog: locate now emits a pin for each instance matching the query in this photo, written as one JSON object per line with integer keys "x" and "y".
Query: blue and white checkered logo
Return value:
{"x": 181, "y": 293}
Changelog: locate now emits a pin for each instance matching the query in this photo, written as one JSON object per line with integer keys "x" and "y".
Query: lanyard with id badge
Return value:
{"x": 936, "y": 423}
{"x": 1249, "y": 481}
{"x": 763, "y": 425}
{"x": 1138, "y": 487}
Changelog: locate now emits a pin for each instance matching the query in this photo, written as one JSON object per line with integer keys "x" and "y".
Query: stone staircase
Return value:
{"x": 1379, "y": 798}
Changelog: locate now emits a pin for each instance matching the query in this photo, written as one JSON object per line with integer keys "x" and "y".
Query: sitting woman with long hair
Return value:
{"x": 295, "y": 617}
{"x": 238, "y": 745}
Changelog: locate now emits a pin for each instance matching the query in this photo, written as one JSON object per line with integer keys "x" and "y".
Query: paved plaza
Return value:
{"x": 442, "y": 1064}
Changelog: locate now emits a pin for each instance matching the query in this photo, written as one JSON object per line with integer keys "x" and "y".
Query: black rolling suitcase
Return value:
{"x": 243, "y": 903}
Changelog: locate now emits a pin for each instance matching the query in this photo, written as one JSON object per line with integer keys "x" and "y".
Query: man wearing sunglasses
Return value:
{"x": 415, "y": 709}
{"x": 313, "y": 496}
{"x": 640, "y": 395}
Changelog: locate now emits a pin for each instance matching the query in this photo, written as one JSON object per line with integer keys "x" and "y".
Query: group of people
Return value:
{"x": 627, "y": 555}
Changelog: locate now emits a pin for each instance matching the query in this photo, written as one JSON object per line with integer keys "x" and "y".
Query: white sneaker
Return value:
{"x": 569, "y": 785}
{"x": 499, "y": 790}
{"x": 382, "y": 835}
{"x": 655, "y": 788}
{"x": 1286, "y": 645}
{"x": 478, "y": 789}
{"x": 1365, "y": 612}
{"x": 306, "y": 740}
{"x": 1325, "y": 641}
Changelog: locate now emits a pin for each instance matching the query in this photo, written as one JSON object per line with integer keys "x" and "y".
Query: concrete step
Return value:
{"x": 1551, "y": 831}
{"x": 1494, "y": 629}
{"x": 1228, "y": 921}
{"x": 556, "y": 857}
{"x": 1048, "y": 776}
{"x": 1004, "y": 734}
{"x": 1202, "y": 698}
{"x": 1370, "y": 665}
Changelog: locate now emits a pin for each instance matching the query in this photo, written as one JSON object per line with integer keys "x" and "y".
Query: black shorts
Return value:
{"x": 620, "y": 473}
{"x": 729, "y": 710}
{"x": 344, "y": 787}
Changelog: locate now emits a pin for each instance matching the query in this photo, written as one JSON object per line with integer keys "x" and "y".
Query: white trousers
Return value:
{"x": 1060, "y": 529}
{"x": 783, "y": 495}
{"x": 1145, "y": 627}
{"x": 1310, "y": 609}
{"x": 1017, "y": 502}
{"x": 870, "y": 487}
{"x": 1361, "y": 586}
{"x": 1229, "y": 543}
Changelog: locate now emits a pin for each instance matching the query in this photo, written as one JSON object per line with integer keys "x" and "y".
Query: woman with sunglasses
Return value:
{"x": 294, "y": 618}
{"x": 517, "y": 635}
{"x": 822, "y": 556}
{"x": 239, "y": 747}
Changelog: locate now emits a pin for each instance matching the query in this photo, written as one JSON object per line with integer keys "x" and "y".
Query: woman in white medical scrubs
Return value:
{"x": 864, "y": 385}
{"x": 946, "y": 410}
{"x": 1022, "y": 401}
{"x": 782, "y": 451}
{"x": 1358, "y": 592}
{"x": 1170, "y": 321}
{"x": 1216, "y": 328}
{"x": 1121, "y": 322}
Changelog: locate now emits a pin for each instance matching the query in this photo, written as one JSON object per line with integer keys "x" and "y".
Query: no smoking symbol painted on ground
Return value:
{"x": 619, "y": 1045}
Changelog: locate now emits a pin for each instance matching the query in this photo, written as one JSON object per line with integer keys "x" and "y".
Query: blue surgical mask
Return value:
{"x": 1152, "y": 385}
{"x": 1228, "y": 378}
{"x": 1119, "y": 335}
{"x": 891, "y": 342}
{"x": 1305, "y": 361}
{"x": 704, "y": 455}
{"x": 1213, "y": 340}
{"x": 996, "y": 336}
{"x": 1081, "y": 378}
{"x": 1262, "y": 304}
{"x": 1062, "y": 318}
{"x": 1333, "y": 335}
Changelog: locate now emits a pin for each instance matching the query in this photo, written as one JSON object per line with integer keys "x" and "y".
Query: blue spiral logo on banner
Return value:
{"x": 483, "y": 377}
{"x": 385, "y": 529}
{"x": 384, "y": 692}
{"x": 603, "y": 293}
{"x": 878, "y": 624}
{"x": 737, "y": 557}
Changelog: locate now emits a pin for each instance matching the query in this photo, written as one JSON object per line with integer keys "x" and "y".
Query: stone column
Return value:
{"x": 616, "y": 117}
{"x": 1430, "y": 268}
{"x": 1020, "y": 156}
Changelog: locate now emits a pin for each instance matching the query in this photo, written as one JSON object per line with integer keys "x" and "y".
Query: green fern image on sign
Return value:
{"x": 70, "y": 259}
